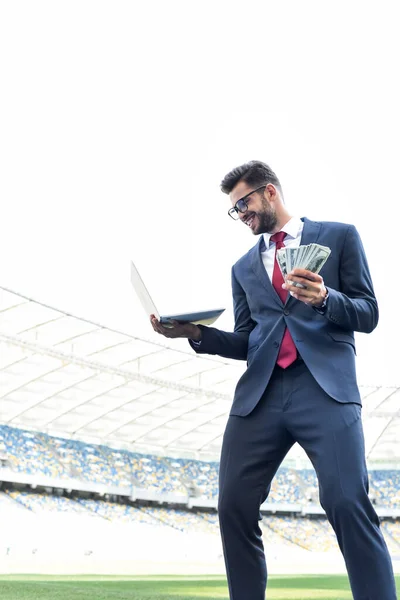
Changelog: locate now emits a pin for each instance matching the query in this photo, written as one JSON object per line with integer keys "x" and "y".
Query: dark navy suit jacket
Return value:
{"x": 324, "y": 341}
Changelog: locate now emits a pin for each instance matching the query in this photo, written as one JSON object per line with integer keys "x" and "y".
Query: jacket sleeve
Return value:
{"x": 229, "y": 344}
{"x": 354, "y": 307}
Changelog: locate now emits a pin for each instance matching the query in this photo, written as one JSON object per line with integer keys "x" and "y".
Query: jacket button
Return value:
{"x": 276, "y": 344}
{"x": 286, "y": 312}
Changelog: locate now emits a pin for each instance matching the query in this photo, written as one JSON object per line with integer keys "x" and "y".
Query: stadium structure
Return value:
{"x": 109, "y": 448}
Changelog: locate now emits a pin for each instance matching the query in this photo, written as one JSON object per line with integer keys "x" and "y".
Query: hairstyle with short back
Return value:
{"x": 255, "y": 173}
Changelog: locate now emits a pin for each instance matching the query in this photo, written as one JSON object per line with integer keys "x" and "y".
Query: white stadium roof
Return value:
{"x": 72, "y": 378}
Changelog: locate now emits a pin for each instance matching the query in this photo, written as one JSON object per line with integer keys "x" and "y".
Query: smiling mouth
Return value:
{"x": 250, "y": 220}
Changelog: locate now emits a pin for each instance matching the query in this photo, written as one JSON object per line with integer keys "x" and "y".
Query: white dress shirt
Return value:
{"x": 293, "y": 230}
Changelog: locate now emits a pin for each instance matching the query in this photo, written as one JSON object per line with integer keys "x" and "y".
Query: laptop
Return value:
{"x": 205, "y": 317}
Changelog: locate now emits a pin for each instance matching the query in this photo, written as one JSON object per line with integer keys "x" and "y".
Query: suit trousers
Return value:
{"x": 294, "y": 408}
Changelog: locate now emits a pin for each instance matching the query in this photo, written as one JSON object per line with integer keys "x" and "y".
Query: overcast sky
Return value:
{"x": 118, "y": 121}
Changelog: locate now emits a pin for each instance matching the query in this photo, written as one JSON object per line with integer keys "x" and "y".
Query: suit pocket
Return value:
{"x": 343, "y": 337}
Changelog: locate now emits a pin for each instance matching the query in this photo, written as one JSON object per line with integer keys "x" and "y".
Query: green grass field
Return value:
{"x": 31, "y": 587}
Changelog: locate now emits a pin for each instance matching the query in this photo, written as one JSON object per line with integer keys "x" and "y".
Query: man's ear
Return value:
{"x": 271, "y": 192}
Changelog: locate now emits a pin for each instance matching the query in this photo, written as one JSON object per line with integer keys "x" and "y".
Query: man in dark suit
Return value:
{"x": 299, "y": 386}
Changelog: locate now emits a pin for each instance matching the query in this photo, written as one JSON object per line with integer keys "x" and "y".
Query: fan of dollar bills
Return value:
{"x": 311, "y": 257}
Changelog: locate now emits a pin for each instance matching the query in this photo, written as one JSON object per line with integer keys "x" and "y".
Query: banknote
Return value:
{"x": 311, "y": 257}
{"x": 281, "y": 258}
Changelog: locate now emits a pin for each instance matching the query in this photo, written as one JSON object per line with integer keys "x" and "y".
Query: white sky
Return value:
{"x": 119, "y": 119}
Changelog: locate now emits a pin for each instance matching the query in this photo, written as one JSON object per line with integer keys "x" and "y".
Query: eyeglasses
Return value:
{"x": 242, "y": 204}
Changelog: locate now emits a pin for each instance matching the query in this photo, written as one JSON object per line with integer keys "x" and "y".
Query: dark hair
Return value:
{"x": 255, "y": 173}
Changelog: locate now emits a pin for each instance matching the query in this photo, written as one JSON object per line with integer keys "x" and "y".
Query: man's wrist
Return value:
{"x": 196, "y": 335}
{"x": 322, "y": 307}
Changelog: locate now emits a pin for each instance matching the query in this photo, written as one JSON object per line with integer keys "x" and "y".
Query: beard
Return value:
{"x": 267, "y": 221}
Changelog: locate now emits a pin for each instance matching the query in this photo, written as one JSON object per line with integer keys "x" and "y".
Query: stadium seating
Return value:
{"x": 202, "y": 476}
{"x": 385, "y": 487}
{"x": 310, "y": 534}
{"x": 315, "y": 535}
{"x": 40, "y": 454}
{"x": 46, "y": 502}
{"x": 29, "y": 453}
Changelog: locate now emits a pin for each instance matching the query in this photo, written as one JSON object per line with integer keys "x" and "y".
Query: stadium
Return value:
{"x": 109, "y": 449}
{"x": 118, "y": 122}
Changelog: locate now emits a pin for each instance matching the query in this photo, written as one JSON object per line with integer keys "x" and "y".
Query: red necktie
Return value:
{"x": 287, "y": 351}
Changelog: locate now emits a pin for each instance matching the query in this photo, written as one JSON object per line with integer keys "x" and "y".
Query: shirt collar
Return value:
{"x": 293, "y": 228}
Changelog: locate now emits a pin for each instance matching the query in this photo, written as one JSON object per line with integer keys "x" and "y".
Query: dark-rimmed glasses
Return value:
{"x": 242, "y": 204}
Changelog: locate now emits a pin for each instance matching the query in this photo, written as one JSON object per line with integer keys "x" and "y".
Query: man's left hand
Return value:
{"x": 313, "y": 293}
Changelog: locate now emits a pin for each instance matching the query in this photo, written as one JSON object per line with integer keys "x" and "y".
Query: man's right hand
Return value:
{"x": 176, "y": 330}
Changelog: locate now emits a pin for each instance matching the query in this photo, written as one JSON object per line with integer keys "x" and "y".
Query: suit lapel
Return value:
{"x": 259, "y": 269}
{"x": 310, "y": 233}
